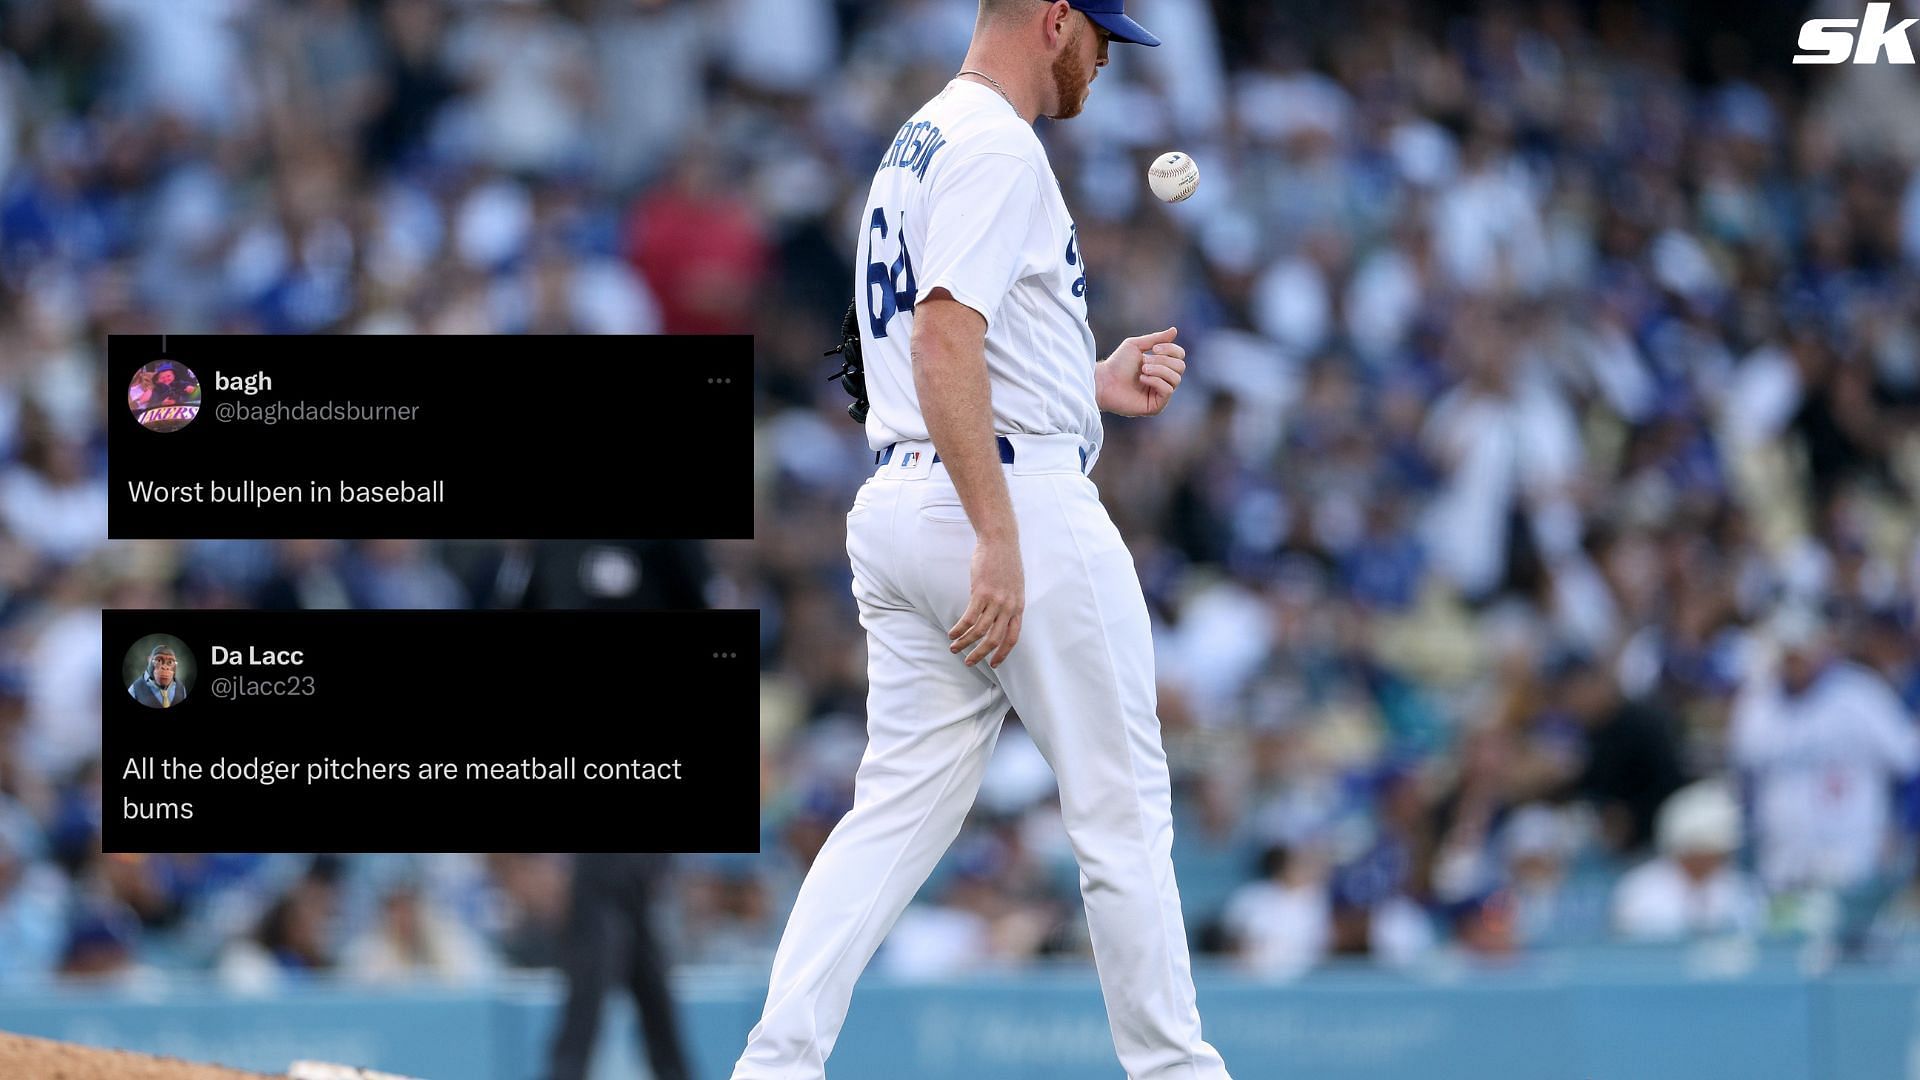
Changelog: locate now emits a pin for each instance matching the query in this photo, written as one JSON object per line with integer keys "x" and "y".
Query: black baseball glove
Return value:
{"x": 852, "y": 373}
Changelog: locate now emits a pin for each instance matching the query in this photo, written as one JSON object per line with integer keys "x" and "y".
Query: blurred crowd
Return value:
{"x": 1533, "y": 547}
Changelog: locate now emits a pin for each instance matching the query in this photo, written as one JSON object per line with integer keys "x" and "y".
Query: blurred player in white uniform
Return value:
{"x": 987, "y": 572}
{"x": 1824, "y": 741}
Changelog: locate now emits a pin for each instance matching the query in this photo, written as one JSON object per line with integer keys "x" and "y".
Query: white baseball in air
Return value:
{"x": 1173, "y": 176}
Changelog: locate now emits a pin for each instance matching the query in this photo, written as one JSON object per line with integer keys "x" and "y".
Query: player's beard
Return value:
{"x": 1071, "y": 85}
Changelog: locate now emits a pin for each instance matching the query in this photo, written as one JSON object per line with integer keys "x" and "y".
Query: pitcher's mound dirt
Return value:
{"x": 41, "y": 1059}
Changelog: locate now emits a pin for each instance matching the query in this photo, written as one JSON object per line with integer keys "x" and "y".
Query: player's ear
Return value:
{"x": 1058, "y": 13}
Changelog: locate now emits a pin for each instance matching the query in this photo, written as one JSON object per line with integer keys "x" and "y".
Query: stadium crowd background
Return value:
{"x": 1554, "y": 393}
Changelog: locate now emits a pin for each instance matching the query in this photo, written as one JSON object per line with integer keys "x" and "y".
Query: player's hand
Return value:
{"x": 991, "y": 624}
{"x": 1141, "y": 375}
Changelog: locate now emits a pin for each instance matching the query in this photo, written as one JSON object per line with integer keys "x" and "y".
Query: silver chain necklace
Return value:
{"x": 996, "y": 86}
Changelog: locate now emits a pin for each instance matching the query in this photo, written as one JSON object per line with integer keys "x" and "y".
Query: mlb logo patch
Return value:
{"x": 907, "y": 459}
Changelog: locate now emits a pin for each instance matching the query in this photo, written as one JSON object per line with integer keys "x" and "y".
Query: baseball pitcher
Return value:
{"x": 987, "y": 572}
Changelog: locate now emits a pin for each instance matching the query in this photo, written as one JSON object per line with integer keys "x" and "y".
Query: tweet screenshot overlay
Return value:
{"x": 590, "y": 438}
{"x": 431, "y": 731}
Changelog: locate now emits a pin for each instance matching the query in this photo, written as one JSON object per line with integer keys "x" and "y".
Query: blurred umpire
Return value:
{"x": 611, "y": 938}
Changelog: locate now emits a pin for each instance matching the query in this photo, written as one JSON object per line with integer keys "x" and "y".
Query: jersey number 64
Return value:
{"x": 890, "y": 289}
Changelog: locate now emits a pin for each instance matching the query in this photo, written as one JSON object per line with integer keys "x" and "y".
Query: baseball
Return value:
{"x": 1173, "y": 176}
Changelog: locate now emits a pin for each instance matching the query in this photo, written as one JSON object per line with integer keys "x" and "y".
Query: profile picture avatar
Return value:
{"x": 164, "y": 395}
{"x": 159, "y": 671}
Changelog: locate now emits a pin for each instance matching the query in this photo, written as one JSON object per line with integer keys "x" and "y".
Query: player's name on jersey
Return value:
{"x": 914, "y": 147}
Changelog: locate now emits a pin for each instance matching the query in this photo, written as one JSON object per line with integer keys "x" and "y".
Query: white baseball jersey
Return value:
{"x": 966, "y": 200}
{"x": 1823, "y": 763}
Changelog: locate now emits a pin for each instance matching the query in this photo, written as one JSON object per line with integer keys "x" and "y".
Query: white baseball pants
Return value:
{"x": 1082, "y": 680}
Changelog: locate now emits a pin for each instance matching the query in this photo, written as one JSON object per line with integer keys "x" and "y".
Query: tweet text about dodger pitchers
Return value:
{"x": 430, "y": 730}
{"x": 430, "y": 437}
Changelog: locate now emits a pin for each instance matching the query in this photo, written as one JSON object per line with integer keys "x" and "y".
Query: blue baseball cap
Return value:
{"x": 1111, "y": 16}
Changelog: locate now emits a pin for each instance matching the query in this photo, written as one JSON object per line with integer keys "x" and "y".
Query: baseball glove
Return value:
{"x": 852, "y": 373}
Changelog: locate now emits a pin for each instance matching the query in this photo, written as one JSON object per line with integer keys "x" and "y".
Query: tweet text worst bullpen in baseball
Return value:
{"x": 245, "y": 437}
{"x": 254, "y": 493}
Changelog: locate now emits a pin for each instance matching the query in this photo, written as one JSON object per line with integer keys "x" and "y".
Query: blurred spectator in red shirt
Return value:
{"x": 702, "y": 250}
